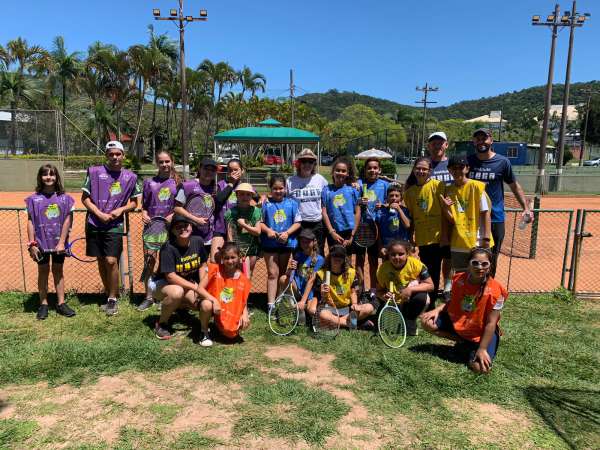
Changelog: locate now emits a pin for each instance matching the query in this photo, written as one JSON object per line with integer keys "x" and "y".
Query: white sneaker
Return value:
{"x": 206, "y": 341}
{"x": 411, "y": 328}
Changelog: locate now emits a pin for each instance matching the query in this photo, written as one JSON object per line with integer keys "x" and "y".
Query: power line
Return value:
{"x": 426, "y": 90}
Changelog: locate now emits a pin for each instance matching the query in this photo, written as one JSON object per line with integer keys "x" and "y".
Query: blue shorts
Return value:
{"x": 444, "y": 323}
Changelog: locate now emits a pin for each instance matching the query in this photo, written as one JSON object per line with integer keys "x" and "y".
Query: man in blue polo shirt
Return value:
{"x": 495, "y": 170}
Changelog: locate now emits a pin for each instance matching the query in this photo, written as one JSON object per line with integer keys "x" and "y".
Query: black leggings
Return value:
{"x": 414, "y": 306}
{"x": 431, "y": 256}
{"x": 498, "y": 232}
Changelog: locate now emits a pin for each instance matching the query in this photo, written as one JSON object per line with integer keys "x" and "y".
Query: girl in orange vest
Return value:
{"x": 224, "y": 290}
{"x": 472, "y": 314}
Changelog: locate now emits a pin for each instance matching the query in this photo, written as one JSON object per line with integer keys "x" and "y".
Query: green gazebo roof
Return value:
{"x": 268, "y": 135}
{"x": 270, "y": 122}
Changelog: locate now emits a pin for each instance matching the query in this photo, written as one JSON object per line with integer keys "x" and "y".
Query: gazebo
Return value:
{"x": 270, "y": 131}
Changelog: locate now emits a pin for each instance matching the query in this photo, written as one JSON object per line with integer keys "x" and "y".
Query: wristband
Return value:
{"x": 32, "y": 244}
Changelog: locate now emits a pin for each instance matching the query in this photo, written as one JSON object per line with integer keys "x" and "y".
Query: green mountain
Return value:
{"x": 331, "y": 103}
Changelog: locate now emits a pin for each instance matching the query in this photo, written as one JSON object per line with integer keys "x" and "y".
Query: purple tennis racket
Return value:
{"x": 155, "y": 234}
{"x": 202, "y": 206}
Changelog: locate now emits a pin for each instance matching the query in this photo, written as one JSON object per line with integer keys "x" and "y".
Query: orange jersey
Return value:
{"x": 232, "y": 294}
{"x": 468, "y": 314}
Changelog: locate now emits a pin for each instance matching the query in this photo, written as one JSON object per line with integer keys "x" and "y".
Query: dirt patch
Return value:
{"x": 96, "y": 413}
{"x": 359, "y": 428}
{"x": 488, "y": 423}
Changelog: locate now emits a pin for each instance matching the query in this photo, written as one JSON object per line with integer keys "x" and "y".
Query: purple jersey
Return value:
{"x": 193, "y": 187}
{"x": 220, "y": 215}
{"x": 48, "y": 214}
{"x": 159, "y": 196}
{"x": 109, "y": 190}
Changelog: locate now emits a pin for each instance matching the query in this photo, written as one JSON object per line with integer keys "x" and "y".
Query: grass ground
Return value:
{"x": 94, "y": 382}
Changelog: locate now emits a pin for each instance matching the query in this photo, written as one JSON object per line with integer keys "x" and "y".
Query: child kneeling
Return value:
{"x": 472, "y": 315}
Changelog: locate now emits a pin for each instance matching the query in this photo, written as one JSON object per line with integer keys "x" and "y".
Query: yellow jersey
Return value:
{"x": 423, "y": 202}
{"x": 413, "y": 270}
{"x": 340, "y": 286}
{"x": 465, "y": 211}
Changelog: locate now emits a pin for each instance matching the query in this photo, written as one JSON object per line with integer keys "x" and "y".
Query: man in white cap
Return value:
{"x": 109, "y": 192}
{"x": 437, "y": 144}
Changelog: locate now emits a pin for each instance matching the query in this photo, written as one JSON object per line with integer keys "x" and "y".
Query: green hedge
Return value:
{"x": 388, "y": 168}
{"x": 83, "y": 162}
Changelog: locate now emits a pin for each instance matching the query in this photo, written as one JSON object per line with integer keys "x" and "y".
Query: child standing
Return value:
{"x": 158, "y": 200}
{"x": 341, "y": 210}
{"x": 244, "y": 225}
{"x": 467, "y": 207}
{"x": 49, "y": 219}
{"x": 472, "y": 315}
{"x": 394, "y": 218}
{"x": 280, "y": 220}
{"x": 410, "y": 280}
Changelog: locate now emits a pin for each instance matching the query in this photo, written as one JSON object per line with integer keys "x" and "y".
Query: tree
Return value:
{"x": 65, "y": 68}
{"x": 251, "y": 82}
{"x": 593, "y": 125}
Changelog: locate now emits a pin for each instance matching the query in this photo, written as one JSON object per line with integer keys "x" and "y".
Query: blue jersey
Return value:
{"x": 306, "y": 267}
{"x": 376, "y": 193}
{"x": 494, "y": 172}
{"x": 340, "y": 204}
{"x": 390, "y": 225}
{"x": 279, "y": 217}
{"x": 439, "y": 171}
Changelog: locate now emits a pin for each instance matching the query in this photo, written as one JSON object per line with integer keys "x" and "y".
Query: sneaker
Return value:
{"x": 64, "y": 310}
{"x": 161, "y": 331}
{"x": 411, "y": 328}
{"x": 270, "y": 306}
{"x": 42, "y": 312}
{"x": 206, "y": 340}
{"x": 301, "y": 317}
{"x": 367, "y": 325}
{"x": 110, "y": 307}
{"x": 146, "y": 304}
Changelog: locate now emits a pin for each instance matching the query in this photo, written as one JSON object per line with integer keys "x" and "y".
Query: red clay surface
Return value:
{"x": 541, "y": 273}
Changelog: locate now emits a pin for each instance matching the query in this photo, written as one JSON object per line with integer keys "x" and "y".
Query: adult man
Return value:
{"x": 495, "y": 170}
{"x": 437, "y": 144}
{"x": 109, "y": 192}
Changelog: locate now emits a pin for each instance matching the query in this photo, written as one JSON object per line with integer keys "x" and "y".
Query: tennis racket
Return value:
{"x": 325, "y": 323}
{"x": 155, "y": 234}
{"x": 390, "y": 324}
{"x": 76, "y": 249}
{"x": 366, "y": 232}
{"x": 244, "y": 243}
{"x": 202, "y": 206}
{"x": 283, "y": 316}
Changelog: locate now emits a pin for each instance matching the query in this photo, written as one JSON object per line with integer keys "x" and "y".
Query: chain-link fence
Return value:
{"x": 19, "y": 271}
{"x": 537, "y": 258}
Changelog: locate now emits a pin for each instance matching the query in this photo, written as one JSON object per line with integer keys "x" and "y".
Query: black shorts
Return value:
{"x": 346, "y": 234}
{"x": 278, "y": 250}
{"x": 219, "y": 234}
{"x": 445, "y": 252}
{"x": 103, "y": 243}
{"x": 57, "y": 258}
{"x": 372, "y": 251}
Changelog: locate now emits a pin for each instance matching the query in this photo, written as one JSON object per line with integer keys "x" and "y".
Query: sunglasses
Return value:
{"x": 307, "y": 161}
{"x": 480, "y": 264}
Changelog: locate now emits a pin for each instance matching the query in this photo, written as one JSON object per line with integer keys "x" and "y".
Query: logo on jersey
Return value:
{"x": 423, "y": 204}
{"x": 115, "y": 188}
{"x": 462, "y": 205}
{"x": 371, "y": 195}
{"x": 52, "y": 211}
{"x": 468, "y": 303}
{"x": 279, "y": 216}
{"x": 233, "y": 198}
{"x": 226, "y": 295}
{"x": 208, "y": 201}
{"x": 339, "y": 200}
{"x": 394, "y": 224}
{"x": 164, "y": 194}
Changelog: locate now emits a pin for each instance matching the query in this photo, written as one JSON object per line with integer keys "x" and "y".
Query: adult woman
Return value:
{"x": 305, "y": 187}
{"x": 176, "y": 285}
{"x": 422, "y": 197}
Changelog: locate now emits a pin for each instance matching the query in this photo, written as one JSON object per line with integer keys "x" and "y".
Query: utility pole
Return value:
{"x": 426, "y": 90}
{"x": 292, "y": 87}
{"x": 177, "y": 17}
{"x": 552, "y": 22}
{"x": 572, "y": 20}
{"x": 589, "y": 92}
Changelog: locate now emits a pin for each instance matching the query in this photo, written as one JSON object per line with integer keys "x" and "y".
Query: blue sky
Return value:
{"x": 384, "y": 48}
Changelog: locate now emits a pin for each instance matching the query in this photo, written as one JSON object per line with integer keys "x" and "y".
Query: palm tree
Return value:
{"x": 65, "y": 66}
{"x": 14, "y": 88}
{"x": 32, "y": 59}
{"x": 251, "y": 82}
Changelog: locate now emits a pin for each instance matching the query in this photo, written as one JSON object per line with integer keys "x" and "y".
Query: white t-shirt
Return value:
{"x": 307, "y": 192}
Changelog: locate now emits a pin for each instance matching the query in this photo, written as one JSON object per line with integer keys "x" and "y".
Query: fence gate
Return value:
{"x": 583, "y": 277}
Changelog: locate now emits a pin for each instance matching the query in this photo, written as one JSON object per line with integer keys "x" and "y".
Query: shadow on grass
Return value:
{"x": 450, "y": 353}
{"x": 573, "y": 414}
{"x": 3, "y": 405}
{"x": 31, "y": 303}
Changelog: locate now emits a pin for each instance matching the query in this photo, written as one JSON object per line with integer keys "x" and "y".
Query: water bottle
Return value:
{"x": 525, "y": 220}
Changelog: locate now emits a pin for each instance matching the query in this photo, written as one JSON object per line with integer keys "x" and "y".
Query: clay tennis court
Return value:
{"x": 538, "y": 274}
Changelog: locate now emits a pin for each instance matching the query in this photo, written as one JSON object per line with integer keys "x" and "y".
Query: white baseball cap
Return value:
{"x": 439, "y": 134}
{"x": 114, "y": 144}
